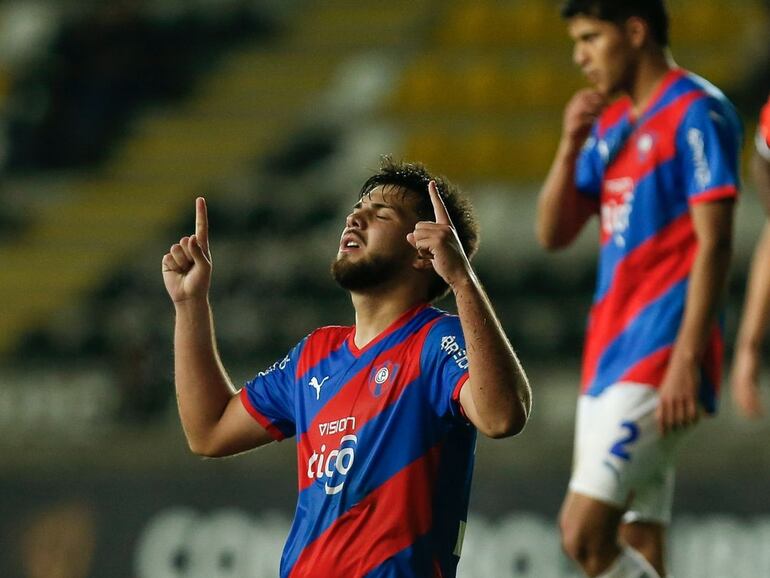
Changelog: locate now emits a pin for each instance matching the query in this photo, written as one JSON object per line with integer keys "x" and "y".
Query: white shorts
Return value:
{"x": 620, "y": 458}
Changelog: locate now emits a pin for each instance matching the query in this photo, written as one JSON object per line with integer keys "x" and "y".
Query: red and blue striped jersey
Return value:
{"x": 384, "y": 453}
{"x": 763, "y": 131}
{"x": 646, "y": 173}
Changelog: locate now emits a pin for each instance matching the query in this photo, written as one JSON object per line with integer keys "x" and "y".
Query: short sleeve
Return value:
{"x": 708, "y": 144}
{"x": 589, "y": 167}
{"x": 270, "y": 396}
{"x": 444, "y": 363}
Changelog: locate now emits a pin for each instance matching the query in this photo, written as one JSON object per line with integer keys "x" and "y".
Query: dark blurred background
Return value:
{"x": 115, "y": 115}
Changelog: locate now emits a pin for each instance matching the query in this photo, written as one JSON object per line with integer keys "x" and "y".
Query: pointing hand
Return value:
{"x": 187, "y": 265}
{"x": 438, "y": 241}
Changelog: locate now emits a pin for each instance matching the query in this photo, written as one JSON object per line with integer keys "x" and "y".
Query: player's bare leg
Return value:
{"x": 647, "y": 538}
{"x": 589, "y": 530}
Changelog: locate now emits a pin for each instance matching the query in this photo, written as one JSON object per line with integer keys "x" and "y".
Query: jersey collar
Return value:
{"x": 402, "y": 320}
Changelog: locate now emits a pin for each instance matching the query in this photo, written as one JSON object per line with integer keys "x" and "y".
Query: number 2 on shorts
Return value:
{"x": 631, "y": 435}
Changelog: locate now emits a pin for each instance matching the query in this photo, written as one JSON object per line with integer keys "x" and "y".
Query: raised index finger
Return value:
{"x": 202, "y": 223}
{"x": 439, "y": 208}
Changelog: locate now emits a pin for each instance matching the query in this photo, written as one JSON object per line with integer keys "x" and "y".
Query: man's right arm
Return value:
{"x": 213, "y": 418}
{"x": 215, "y": 422}
{"x": 562, "y": 210}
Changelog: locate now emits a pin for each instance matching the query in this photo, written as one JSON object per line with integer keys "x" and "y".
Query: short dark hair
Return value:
{"x": 618, "y": 11}
{"x": 414, "y": 178}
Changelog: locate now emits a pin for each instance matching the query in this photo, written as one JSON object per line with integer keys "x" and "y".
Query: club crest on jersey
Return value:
{"x": 382, "y": 378}
{"x": 644, "y": 145}
{"x": 617, "y": 204}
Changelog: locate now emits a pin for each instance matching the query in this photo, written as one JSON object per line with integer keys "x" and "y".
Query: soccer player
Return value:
{"x": 756, "y": 311}
{"x": 651, "y": 150}
{"x": 385, "y": 412}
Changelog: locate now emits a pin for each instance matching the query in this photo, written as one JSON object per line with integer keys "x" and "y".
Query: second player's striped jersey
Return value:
{"x": 763, "y": 131}
{"x": 646, "y": 173}
{"x": 385, "y": 455}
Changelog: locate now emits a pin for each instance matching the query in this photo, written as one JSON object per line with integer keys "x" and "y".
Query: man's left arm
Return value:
{"x": 755, "y": 318}
{"x": 713, "y": 223}
{"x": 496, "y": 398}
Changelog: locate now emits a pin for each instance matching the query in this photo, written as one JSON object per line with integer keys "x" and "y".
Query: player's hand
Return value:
{"x": 744, "y": 383}
{"x": 678, "y": 408}
{"x": 187, "y": 265}
{"x": 438, "y": 242}
{"x": 580, "y": 114}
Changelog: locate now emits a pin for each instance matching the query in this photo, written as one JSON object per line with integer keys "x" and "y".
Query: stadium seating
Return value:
{"x": 502, "y": 71}
{"x": 275, "y": 134}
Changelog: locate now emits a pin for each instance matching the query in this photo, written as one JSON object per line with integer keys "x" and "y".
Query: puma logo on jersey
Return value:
{"x": 315, "y": 384}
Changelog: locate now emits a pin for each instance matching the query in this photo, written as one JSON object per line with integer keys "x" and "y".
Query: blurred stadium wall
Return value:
{"x": 115, "y": 115}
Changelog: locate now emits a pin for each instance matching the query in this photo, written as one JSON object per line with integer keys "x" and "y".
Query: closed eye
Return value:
{"x": 589, "y": 38}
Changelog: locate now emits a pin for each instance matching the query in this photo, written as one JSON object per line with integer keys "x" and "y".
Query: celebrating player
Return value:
{"x": 652, "y": 150}
{"x": 756, "y": 312}
{"x": 385, "y": 412}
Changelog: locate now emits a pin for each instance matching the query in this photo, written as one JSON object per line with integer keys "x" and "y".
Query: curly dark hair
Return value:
{"x": 618, "y": 11}
{"x": 413, "y": 179}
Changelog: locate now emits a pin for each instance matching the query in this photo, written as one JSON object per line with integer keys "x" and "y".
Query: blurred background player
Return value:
{"x": 756, "y": 312}
{"x": 659, "y": 166}
{"x": 384, "y": 411}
